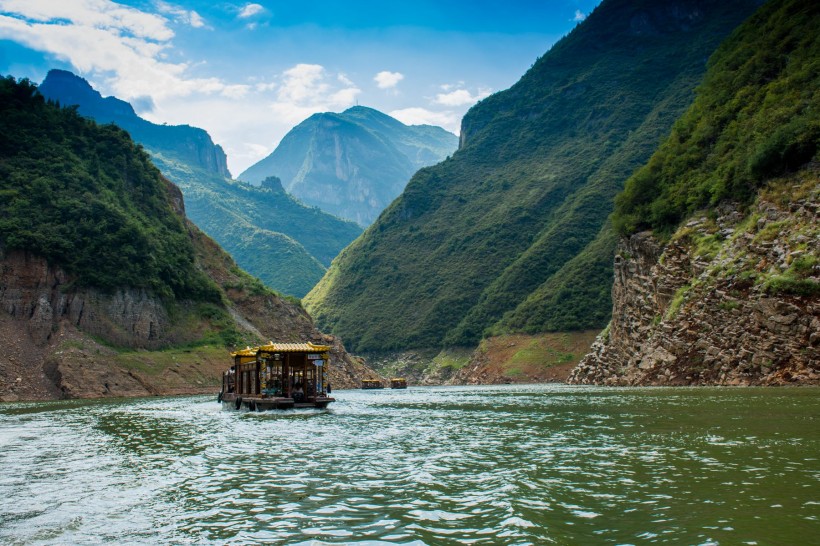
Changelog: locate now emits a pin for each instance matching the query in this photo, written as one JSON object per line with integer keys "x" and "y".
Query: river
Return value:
{"x": 538, "y": 464}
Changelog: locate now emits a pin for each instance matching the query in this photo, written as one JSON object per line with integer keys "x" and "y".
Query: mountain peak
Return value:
{"x": 189, "y": 144}
{"x": 351, "y": 164}
{"x": 70, "y": 88}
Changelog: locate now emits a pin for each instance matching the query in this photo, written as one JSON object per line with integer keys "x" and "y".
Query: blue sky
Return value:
{"x": 247, "y": 72}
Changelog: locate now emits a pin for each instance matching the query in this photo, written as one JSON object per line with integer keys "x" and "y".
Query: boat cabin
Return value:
{"x": 398, "y": 383}
{"x": 372, "y": 384}
{"x": 278, "y": 376}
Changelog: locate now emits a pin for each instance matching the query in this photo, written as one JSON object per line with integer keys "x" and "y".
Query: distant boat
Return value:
{"x": 398, "y": 383}
{"x": 372, "y": 384}
{"x": 277, "y": 376}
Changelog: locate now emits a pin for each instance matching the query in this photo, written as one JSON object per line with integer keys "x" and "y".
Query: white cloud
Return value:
{"x": 98, "y": 14}
{"x": 460, "y": 97}
{"x": 250, "y": 10}
{"x": 388, "y": 80}
{"x": 306, "y": 89}
{"x": 122, "y": 46}
{"x": 422, "y": 116}
{"x": 579, "y": 16}
{"x": 181, "y": 15}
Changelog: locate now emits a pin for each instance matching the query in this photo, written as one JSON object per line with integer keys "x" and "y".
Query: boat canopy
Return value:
{"x": 272, "y": 347}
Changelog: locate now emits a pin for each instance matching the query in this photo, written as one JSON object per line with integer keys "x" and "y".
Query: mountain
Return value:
{"x": 273, "y": 236}
{"x": 106, "y": 289}
{"x": 717, "y": 275}
{"x": 352, "y": 164}
{"x": 190, "y": 145}
{"x": 510, "y": 233}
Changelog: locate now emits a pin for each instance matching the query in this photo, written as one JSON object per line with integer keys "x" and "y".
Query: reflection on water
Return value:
{"x": 458, "y": 465}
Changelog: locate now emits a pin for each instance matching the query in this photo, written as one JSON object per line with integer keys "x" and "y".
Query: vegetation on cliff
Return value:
{"x": 88, "y": 199}
{"x": 726, "y": 287}
{"x": 270, "y": 234}
{"x": 756, "y": 116}
{"x": 499, "y": 237}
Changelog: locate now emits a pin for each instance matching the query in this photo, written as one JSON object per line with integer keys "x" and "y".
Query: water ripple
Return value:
{"x": 478, "y": 465}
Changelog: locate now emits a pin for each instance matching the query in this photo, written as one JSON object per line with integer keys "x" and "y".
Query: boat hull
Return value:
{"x": 265, "y": 403}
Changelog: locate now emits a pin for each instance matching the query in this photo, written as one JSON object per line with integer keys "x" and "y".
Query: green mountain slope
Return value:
{"x": 500, "y": 231}
{"x": 756, "y": 117}
{"x": 270, "y": 234}
{"x": 718, "y": 267}
{"x": 352, "y": 164}
{"x": 88, "y": 199}
{"x": 106, "y": 288}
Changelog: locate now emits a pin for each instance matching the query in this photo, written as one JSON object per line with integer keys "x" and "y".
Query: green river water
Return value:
{"x": 540, "y": 464}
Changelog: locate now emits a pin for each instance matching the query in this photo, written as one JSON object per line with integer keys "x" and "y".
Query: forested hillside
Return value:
{"x": 510, "y": 233}
{"x": 88, "y": 199}
{"x": 352, "y": 164}
{"x": 274, "y": 237}
{"x": 718, "y": 267}
{"x": 756, "y": 117}
{"x": 106, "y": 289}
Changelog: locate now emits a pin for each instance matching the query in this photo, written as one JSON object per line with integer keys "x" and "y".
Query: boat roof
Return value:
{"x": 272, "y": 347}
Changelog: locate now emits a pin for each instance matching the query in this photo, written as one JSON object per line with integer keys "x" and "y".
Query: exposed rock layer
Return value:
{"x": 702, "y": 309}
{"x": 57, "y": 341}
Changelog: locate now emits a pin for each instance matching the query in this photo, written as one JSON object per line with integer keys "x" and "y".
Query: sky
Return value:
{"x": 248, "y": 72}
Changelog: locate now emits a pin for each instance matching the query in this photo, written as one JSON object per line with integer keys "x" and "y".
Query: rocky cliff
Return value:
{"x": 731, "y": 299}
{"x": 60, "y": 342}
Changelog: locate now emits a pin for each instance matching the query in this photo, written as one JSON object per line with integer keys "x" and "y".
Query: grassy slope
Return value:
{"x": 494, "y": 226}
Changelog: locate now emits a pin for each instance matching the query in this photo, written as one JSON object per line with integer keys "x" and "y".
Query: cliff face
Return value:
{"x": 730, "y": 301}
{"x": 63, "y": 343}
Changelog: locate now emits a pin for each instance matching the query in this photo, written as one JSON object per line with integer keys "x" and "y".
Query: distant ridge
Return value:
{"x": 352, "y": 164}
{"x": 271, "y": 235}
{"x": 183, "y": 142}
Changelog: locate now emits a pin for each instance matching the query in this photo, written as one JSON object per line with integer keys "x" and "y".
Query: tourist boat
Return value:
{"x": 277, "y": 376}
{"x": 398, "y": 383}
{"x": 372, "y": 384}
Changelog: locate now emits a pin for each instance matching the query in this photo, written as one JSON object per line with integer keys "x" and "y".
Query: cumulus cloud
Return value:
{"x": 123, "y": 46}
{"x": 388, "y": 80}
{"x": 422, "y": 116}
{"x": 180, "y": 15}
{"x": 97, "y": 14}
{"x": 459, "y": 97}
{"x": 308, "y": 88}
{"x": 250, "y": 10}
{"x": 579, "y": 16}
